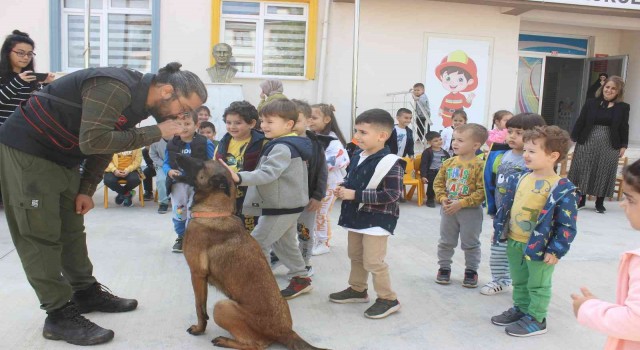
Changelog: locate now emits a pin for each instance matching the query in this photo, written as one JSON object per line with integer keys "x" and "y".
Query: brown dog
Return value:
{"x": 219, "y": 251}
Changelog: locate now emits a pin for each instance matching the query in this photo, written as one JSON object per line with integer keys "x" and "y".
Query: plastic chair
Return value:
{"x": 122, "y": 182}
{"x": 412, "y": 178}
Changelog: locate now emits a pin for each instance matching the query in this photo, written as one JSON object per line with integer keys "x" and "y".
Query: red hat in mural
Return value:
{"x": 459, "y": 59}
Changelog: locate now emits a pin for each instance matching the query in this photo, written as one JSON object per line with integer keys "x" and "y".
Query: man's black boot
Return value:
{"x": 99, "y": 298}
{"x": 66, "y": 323}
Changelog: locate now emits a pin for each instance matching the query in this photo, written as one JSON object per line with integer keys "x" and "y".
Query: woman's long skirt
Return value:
{"x": 595, "y": 164}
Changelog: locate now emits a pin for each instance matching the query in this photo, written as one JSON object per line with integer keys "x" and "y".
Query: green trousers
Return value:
{"x": 39, "y": 199}
{"x": 531, "y": 281}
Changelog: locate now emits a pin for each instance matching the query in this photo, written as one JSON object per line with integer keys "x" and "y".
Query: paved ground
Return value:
{"x": 130, "y": 248}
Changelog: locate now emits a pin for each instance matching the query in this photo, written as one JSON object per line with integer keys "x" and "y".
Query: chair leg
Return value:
{"x": 140, "y": 194}
{"x": 106, "y": 197}
{"x": 155, "y": 196}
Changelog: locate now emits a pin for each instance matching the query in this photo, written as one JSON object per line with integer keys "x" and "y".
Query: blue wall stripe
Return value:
{"x": 55, "y": 39}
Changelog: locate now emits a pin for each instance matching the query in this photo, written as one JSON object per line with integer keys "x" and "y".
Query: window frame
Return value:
{"x": 60, "y": 18}
{"x": 310, "y": 11}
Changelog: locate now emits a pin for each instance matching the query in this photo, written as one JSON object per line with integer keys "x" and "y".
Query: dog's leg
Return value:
{"x": 200, "y": 291}
{"x": 229, "y": 315}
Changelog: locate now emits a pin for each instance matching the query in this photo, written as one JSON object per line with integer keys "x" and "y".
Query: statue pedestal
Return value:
{"x": 220, "y": 97}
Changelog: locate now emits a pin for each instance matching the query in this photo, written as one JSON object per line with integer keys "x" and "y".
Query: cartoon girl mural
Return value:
{"x": 458, "y": 73}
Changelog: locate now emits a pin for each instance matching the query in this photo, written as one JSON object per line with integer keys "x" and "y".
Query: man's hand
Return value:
{"x": 169, "y": 128}
{"x": 313, "y": 205}
{"x": 578, "y": 300}
{"x": 550, "y": 259}
{"x": 173, "y": 173}
{"x": 234, "y": 175}
{"x": 452, "y": 207}
{"x": 84, "y": 203}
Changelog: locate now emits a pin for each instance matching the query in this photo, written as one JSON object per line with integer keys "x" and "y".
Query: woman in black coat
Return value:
{"x": 602, "y": 136}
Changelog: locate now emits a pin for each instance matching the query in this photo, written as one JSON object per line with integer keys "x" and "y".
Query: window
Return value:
{"x": 120, "y": 34}
{"x": 268, "y": 38}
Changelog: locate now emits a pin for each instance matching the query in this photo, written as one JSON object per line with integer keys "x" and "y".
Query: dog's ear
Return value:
{"x": 215, "y": 182}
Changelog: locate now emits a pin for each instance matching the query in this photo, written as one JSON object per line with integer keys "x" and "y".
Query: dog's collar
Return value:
{"x": 209, "y": 214}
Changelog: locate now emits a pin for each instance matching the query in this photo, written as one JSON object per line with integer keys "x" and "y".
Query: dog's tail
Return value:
{"x": 294, "y": 342}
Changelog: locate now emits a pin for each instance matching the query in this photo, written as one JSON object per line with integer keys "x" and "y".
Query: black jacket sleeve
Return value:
{"x": 425, "y": 161}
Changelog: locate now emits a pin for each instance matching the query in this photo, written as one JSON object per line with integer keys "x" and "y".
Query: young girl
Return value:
{"x": 619, "y": 320}
{"x": 240, "y": 147}
{"x": 459, "y": 118}
{"x": 323, "y": 121}
{"x": 498, "y": 132}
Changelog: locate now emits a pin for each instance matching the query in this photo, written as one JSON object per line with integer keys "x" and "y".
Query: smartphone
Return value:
{"x": 39, "y": 76}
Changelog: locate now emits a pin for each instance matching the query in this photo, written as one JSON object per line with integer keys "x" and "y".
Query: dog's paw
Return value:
{"x": 195, "y": 330}
{"x": 219, "y": 341}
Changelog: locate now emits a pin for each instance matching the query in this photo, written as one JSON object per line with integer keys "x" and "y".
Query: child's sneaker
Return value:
{"x": 494, "y": 287}
{"x": 382, "y": 308}
{"x": 349, "y": 295}
{"x": 444, "y": 276}
{"x": 527, "y": 326}
{"x": 148, "y": 196}
{"x": 297, "y": 286}
{"x": 119, "y": 199}
{"x": 321, "y": 248}
{"x": 431, "y": 203}
{"x": 310, "y": 270}
{"x": 163, "y": 208}
{"x": 508, "y": 317}
{"x": 128, "y": 199}
{"x": 470, "y": 279}
{"x": 177, "y": 247}
{"x": 275, "y": 261}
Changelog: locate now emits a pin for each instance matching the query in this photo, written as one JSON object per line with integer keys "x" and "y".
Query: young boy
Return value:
{"x": 504, "y": 160}
{"x": 191, "y": 144}
{"x": 278, "y": 191}
{"x": 370, "y": 212}
{"x": 430, "y": 163}
{"x": 538, "y": 217}
{"x": 422, "y": 109}
{"x": 317, "y": 181}
{"x": 460, "y": 190}
{"x": 157, "y": 152}
{"x": 209, "y": 131}
{"x": 401, "y": 140}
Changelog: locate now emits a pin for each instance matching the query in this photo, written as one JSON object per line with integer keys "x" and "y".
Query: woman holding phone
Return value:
{"x": 17, "y": 78}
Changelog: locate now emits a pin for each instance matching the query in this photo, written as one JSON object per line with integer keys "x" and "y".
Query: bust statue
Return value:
{"x": 222, "y": 71}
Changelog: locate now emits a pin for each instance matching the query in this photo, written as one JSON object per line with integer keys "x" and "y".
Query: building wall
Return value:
{"x": 32, "y": 19}
{"x": 607, "y": 41}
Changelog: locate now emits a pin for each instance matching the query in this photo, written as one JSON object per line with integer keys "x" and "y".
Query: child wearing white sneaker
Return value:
{"x": 619, "y": 320}
{"x": 502, "y": 161}
{"x": 538, "y": 216}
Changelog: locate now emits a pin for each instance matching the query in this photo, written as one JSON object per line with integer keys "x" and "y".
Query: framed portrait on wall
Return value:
{"x": 457, "y": 77}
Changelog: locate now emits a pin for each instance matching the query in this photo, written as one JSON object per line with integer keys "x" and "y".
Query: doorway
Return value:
{"x": 562, "y": 91}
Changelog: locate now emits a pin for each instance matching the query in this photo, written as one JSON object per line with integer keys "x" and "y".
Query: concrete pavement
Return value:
{"x": 130, "y": 249}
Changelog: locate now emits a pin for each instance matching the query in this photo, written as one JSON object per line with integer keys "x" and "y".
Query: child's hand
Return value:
{"x": 173, "y": 173}
{"x": 313, "y": 205}
{"x": 234, "y": 176}
{"x": 578, "y": 300}
{"x": 345, "y": 193}
{"x": 550, "y": 259}
{"x": 452, "y": 207}
{"x": 425, "y": 180}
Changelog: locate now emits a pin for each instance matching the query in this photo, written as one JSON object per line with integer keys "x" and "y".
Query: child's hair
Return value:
{"x": 432, "y": 135}
{"x": 554, "y": 139}
{"x": 282, "y": 108}
{"x": 244, "y": 109}
{"x": 403, "y": 111}
{"x": 377, "y": 117}
{"x": 631, "y": 175}
{"x": 303, "y": 107}
{"x": 203, "y": 108}
{"x": 327, "y": 110}
{"x": 497, "y": 117}
{"x": 478, "y": 132}
{"x": 452, "y": 69}
{"x": 418, "y": 85}
{"x": 461, "y": 113}
{"x": 526, "y": 121}
{"x": 204, "y": 125}
{"x": 194, "y": 115}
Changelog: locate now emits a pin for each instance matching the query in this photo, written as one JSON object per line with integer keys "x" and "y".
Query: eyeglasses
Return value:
{"x": 22, "y": 54}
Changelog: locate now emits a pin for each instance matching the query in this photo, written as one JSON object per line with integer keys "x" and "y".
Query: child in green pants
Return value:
{"x": 538, "y": 217}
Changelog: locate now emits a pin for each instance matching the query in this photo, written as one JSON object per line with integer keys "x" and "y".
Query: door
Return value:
{"x": 612, "y": 65}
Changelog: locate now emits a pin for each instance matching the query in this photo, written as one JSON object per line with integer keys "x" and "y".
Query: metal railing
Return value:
{"x": 404, "y": 99}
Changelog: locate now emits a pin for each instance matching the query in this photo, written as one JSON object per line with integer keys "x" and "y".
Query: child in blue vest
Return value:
{"x": 192, "y": 144}
{"x": 370, "y": 211}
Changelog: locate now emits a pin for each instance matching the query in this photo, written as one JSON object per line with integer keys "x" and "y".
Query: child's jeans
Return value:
{"x": 181, "y": 195}
{"x": 279, "y": 232}
{"x": 111, "y": 181}
{"x": 431, "y": 176}
{"x": 161, "y": 186}
{"x": 531, "y": 281}
{"x": 466, "y": 225}
{"x": 367, "y": 253}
